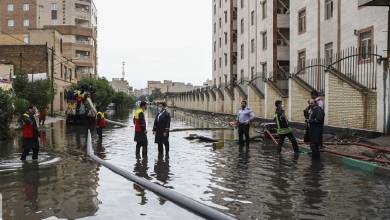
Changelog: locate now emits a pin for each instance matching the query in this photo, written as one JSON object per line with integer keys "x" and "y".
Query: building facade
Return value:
{"x": 121, "y": 85}
{"x": 76, "y": 20}
{"x": 168, "y": 86}
{"x": 224, "y": 42}
{"x": 38, "y": 58}
{"x": 288, "y": 49}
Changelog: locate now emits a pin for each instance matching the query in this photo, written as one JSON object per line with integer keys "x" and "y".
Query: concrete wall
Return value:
{"x": 352, "y": 109}
{"x": 297, "y": 101}
{"x": 256, "y": 103}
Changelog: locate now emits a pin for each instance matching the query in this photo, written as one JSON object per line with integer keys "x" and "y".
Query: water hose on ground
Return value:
{"x": 173, "y": 196}
{"x": 109, "y": 121}
{"x": 363, "y": 158}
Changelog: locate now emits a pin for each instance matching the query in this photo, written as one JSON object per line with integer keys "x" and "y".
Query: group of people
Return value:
{"x": 161, "y": 129}
{"x": 314, "y": 119}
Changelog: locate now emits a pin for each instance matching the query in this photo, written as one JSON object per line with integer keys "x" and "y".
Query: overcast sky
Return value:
{"x": 157, "y": 39}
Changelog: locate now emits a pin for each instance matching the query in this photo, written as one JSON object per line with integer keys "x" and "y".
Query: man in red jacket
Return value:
{"x": 30, "y": 134}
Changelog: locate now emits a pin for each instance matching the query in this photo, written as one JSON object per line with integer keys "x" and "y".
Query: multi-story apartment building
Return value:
{"x": 350, "y": 40}
{"x": 263, "y": 38}
{"x": 224, "y": 41}
{"x": 76, "y": 20}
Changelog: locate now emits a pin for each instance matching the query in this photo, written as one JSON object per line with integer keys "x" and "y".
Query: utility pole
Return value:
{"x": 52, "y": 81}
{"x": 123, "y": 71}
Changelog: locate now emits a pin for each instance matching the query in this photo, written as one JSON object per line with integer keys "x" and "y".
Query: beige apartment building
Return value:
{"x": 76, "y": 20}
{"x": 121, "y": 85}
{"x": 352, "y": 41}
{"x": 168, "y": 86}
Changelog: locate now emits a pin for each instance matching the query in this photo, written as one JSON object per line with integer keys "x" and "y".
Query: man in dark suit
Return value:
{"x": 161, "y": 127}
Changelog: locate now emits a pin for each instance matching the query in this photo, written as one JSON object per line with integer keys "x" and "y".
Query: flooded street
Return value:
{"x": 254, "y": 184}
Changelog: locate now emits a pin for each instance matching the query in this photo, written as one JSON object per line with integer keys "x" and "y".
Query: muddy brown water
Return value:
{"x": 248, "y": 184}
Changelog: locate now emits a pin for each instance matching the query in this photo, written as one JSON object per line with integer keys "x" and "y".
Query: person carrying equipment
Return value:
{"x": 100, "y": 124}
{"x": 30, "y": 134}
{"x": 283, "y": 128}
{"x": 140, "y": 130}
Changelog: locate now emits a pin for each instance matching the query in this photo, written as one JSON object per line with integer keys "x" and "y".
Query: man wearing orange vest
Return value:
{"x": 30, "y": 134}
{"x": 140, "y": 130}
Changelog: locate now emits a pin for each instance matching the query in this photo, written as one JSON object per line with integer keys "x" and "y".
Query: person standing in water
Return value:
{"x": 140, "y": 130}
{"x": 161, "y": 127}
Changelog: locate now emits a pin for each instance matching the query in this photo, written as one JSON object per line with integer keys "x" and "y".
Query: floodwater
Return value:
{"x": 247, "y": 184}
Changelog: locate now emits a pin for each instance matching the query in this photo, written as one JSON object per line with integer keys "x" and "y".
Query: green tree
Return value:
{"x": 122, "y": 100}
{"x": 38, "y": 93}
{"x": 6, "y": 113}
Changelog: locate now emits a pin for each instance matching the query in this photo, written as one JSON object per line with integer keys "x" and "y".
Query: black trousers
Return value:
{"x": 144, "y": 145}
{"x": 161, "y": 147}
{"x": 292, "y": 139}
{"x": 99, "y": 132}
{"x": 243, "y": 130}
{"x": 28, "y": 145}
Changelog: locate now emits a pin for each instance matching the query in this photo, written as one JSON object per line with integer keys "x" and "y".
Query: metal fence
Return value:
{"x": 358, "y": 66}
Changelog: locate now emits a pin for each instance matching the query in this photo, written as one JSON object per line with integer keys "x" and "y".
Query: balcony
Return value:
{"x": 82, "y": 23}
{"x": 373, "y": 3}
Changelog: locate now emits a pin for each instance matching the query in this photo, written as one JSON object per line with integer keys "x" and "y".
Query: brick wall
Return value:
{"x": 255, "y": 103}
{"x": 347, "y": 107}
{"x": 33, "y": 60}
{"x": 228, "y": 104}
{"x": 298, "y": 101}
{"x": 18, "y": 15}
{"x": 270, "y": 98}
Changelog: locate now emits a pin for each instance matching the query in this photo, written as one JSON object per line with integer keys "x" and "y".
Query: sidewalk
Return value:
{"x": 383, "y": 141}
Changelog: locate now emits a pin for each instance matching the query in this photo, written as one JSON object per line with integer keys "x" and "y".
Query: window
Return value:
{"x": 10, "y": 7}
{"x": 215, "y": 46}
{"x": 328, "y": 53}
{"x": 220, "y": 42}
{"x": 302, "y": 21}
{"x": 54, "y": 15}
{"x": 264, "y": 69}
{"x": 220, "y": 23}
{"x": 220, "y": 62}
{"x": 26, "y": 22}
{"x": 11, "y": 23}
{"x": 365, "y": 43}
{"x": 252, "y": 18}
{"x": 215, "y": 65}
{"x": 226, "y": 59}
{"x": 242, "y": 51}
{"x": 26, "y": 39}
{"x": 252, "y": 72}
{"x": 301, "y": 59}
{"x": 241, "y": 75}
{"x": 226, "y": 40}
{"x": 26, "y": 7}
{"x": 215, "y": 9}
{"x": 226, "y": 17}
{"x": 242, "y": 26}
{"x": 252, "y": 45}
{"x": 328, "y": 9}
{"x": 215, "y": 28}
{"x": 264, "y": 40}
{"x": 264, "y": 9}
{"x": 242, "y": 3}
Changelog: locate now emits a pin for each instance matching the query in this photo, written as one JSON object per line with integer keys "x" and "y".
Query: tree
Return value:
{"x": 38, "y": 93}
{"x": 122, "y": 100}
{"x": 6, "y": 113}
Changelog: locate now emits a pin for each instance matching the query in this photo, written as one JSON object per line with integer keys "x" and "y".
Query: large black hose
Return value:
{"x": 175, "y": 197}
